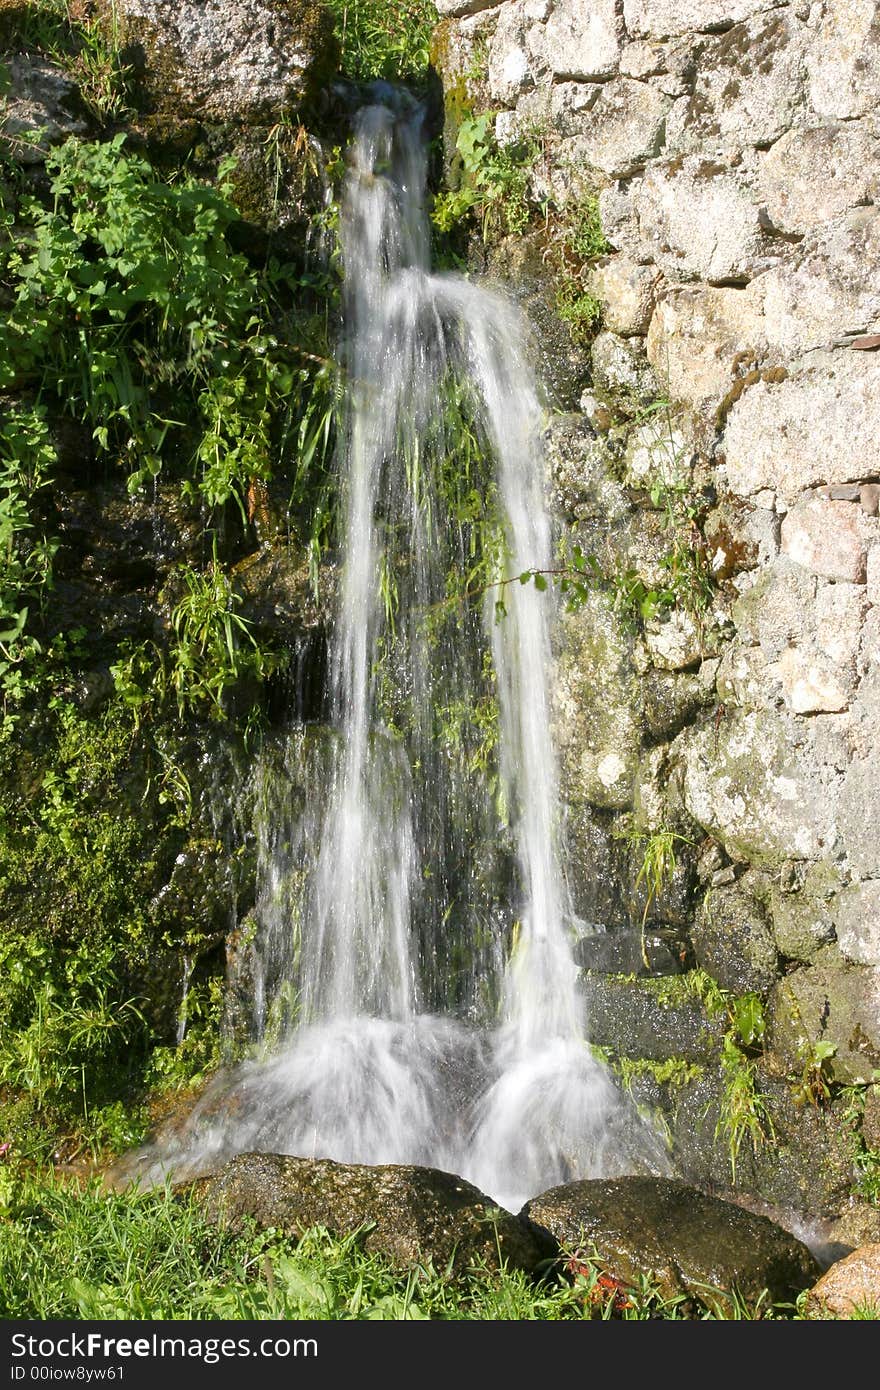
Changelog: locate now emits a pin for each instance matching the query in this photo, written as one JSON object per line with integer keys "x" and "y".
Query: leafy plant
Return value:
{"x": 813, "y": 1085}
{"x": 127, "y": 300}
{"x": 391, "y": 40}
{"x": 26, "y": 460}
{"x": 656, "y": 867}
{"x": 493, "y": 181}
{"x": 865, "y": 1158}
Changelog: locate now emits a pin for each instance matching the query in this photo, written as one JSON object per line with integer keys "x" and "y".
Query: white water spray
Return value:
{"x": 367, "y": 1073}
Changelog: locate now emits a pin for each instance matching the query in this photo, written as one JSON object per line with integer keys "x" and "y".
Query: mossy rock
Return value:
{"x": 249, "y": 63}
{"x": 801, "y": 1161}
{"x": 689, "y": 1243}
{"x": 733, "y": 942}
{"x": 833, "y": 1002}
{"x": 655, "y": 1019}
{"x": 413, "y": 1214}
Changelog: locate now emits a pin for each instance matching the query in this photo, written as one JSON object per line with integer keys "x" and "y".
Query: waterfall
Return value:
{"x": 387, "y": 859}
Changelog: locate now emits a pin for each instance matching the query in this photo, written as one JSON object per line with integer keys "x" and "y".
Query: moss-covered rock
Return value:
{"x": 833, "y": 1002}
{"x": 689, "y": 1242}
{"x": 799, "y": 1158}
{"x": 413, "y": 1214}
{"x": 656, "y": 1019}
{"x": 733, "y": 942}
{"x": 597, "y": 700}
{"x": 246, "y": 62}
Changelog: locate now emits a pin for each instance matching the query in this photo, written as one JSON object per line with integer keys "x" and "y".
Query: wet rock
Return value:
{"x": 818, "y": 426}
{"x": 833, "y": 1002}
{"x": 733, "y": 942}
{"x": 626, "y": 291}
{"x": 850, "y": 1288}
{"x": 249, "y": 60}
{"x": 845, "y": 59}
{"x": 848, "y": 155}
{"x": 518, "y": 264}
{"x": 416, "y": 1214}
{"x": 622, "y": 371}
{"x": 630, "y": 953}
{"x": 802, "y": 1164}
{"x": 578, "y": 463}
{"x": 596, "y": 706}
{"x": 857, "y": 919}
{"x": 689, "y": 1242}
{"x": 637, "y": 1019}
{"x": 803, "y": 920}
{"x": 41, "y": 108}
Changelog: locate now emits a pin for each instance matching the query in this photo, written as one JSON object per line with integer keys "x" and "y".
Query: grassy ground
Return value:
{"x": 68, "y": 1253}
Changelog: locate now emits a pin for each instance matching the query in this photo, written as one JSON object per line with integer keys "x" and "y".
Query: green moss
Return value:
{"x": 673, "y": 1071}
{"x": 677, "y": 991}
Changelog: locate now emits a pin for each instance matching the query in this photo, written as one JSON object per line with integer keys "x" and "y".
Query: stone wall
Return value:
{"x": 735, "y": 150}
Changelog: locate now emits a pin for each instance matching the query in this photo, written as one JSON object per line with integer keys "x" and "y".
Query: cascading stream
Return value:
{"x": 367, "y": 1073}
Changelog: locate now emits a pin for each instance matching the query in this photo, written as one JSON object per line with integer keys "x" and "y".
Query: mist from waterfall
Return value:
{"x": 413, "y": 951}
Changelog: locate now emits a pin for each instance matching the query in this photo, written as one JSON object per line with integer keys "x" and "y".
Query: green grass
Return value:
{"x": 86, "y": 1254}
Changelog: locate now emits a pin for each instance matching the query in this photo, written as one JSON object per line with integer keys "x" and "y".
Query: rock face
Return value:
{"x": 415, "y": 1214}
{"x": 850, "y": 1287}
{"x": 248, "y": 60}
{"x": 690, "y": 1243}
{"x": 733, "y": 150}
{"x": 41, "y": 108}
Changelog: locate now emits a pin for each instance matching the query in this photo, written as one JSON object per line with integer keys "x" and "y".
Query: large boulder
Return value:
{"x": 226, "y": 60}
{"x": 413, "y": 1214}
{"x": 688, "y": 1242}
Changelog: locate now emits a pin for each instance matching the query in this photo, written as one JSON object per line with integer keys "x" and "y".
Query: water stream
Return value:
{"x": 413, "y": 934}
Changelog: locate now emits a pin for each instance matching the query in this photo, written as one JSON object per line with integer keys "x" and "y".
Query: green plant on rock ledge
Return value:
{"x": 744, "y": 1113}
{"x": 129, "y": 311}
{"x": 494, "y": 181}
{"x": 865, "y": 1158}
{"x": 211, "y": 648}
{"x": 576, "y": 242}
{"x": 84, "y": 45}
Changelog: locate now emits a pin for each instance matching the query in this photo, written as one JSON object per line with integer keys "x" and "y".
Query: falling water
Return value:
{"x": 388, "y": 1051}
